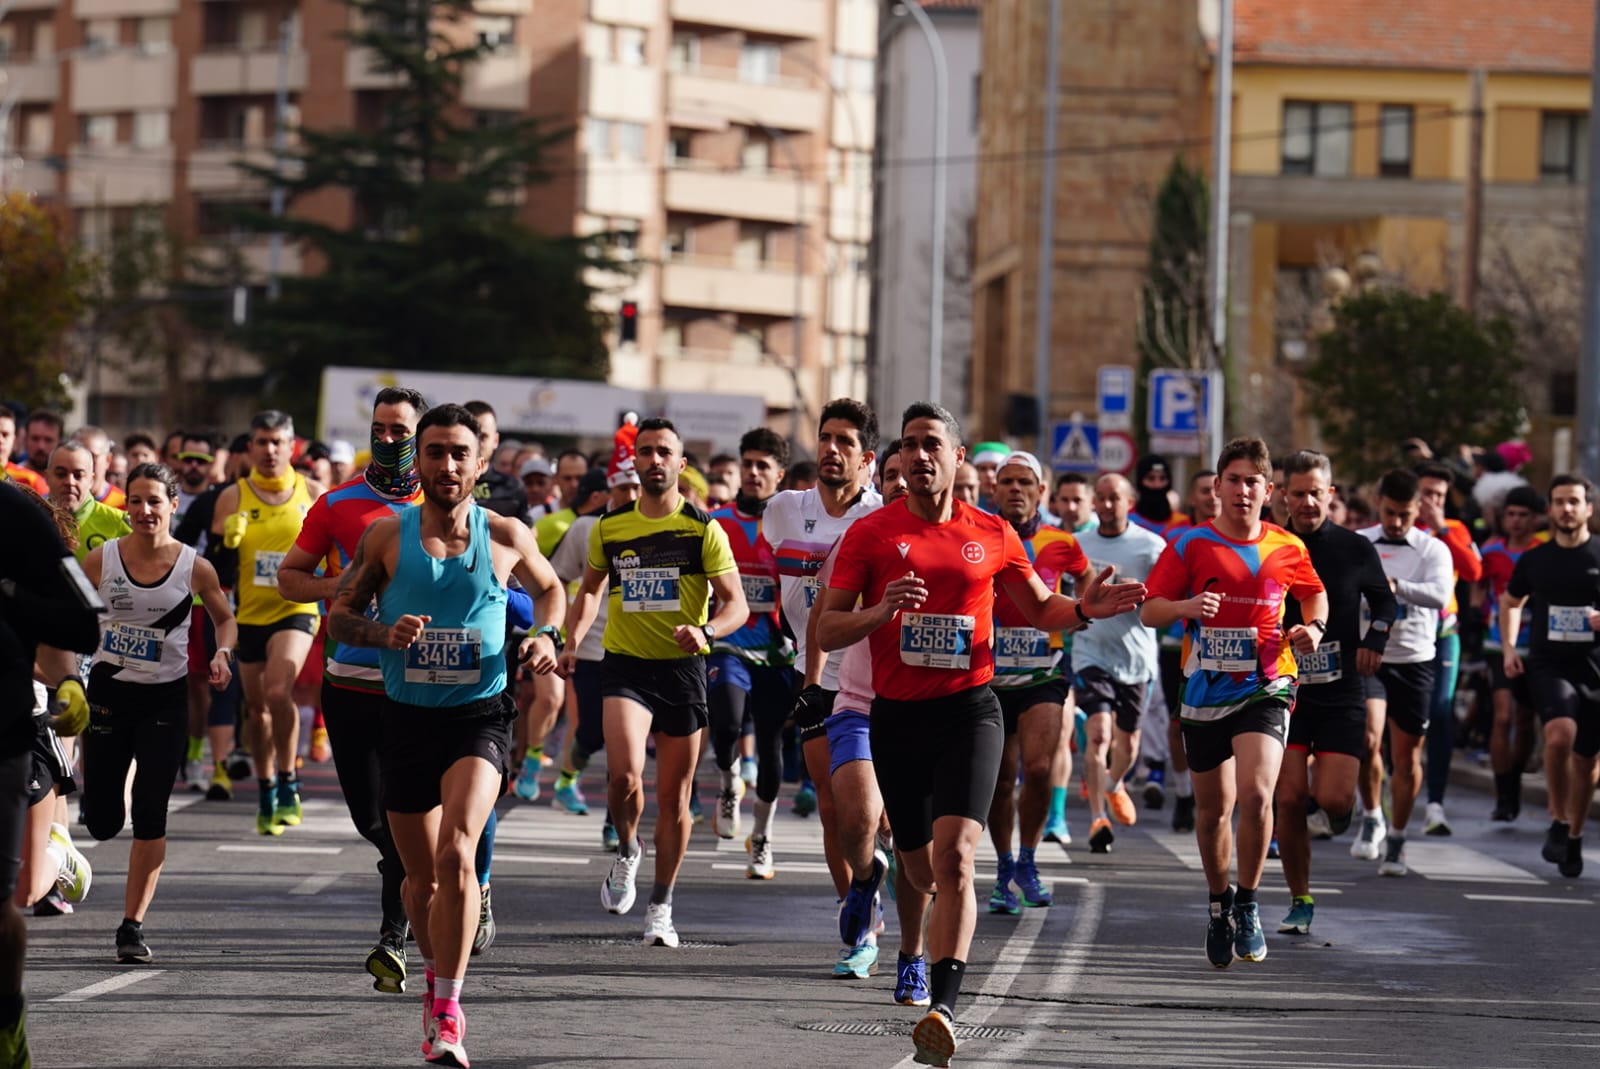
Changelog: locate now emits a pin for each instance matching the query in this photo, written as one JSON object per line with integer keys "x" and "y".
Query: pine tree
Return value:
{"x": 436, "y": 270}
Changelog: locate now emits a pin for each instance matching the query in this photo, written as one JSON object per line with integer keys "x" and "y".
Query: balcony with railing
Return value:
{"x": 125, "y": 79}
{"x": 744, "y": 194}
{"x": 704, "y": 95}
{"x": 726, "y": 284}
{"x": 240, "y": 69}
{"x": 779, "y": 18}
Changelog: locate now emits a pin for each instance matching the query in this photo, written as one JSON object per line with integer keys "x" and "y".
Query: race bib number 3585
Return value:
{"x": 937, "y": 640}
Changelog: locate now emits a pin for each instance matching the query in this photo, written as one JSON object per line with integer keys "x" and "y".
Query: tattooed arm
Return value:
{"x": 366, "y": 576}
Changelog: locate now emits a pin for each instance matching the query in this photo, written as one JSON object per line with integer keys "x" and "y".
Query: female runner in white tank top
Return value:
{"x": 138, "y": 698}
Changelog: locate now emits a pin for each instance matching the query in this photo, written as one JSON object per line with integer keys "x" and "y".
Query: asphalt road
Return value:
{"x": 1484, "y": 956}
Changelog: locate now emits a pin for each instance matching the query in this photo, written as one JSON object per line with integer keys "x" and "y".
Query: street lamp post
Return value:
{"x": 941, "y": 116}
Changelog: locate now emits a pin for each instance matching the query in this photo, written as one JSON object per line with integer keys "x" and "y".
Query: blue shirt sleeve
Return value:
{"x": 519, "y": 608}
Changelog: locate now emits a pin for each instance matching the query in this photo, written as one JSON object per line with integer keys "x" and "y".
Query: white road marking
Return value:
{"x": 237, "y": 848}
{"x": 539, "y": 859}
{"x": 1447, "y": 861}
{"x": 105, "y": 987}
{"x": 315, "y": 884}
{"x": 809, "y": 868}
{"x": 1531, "y": 898}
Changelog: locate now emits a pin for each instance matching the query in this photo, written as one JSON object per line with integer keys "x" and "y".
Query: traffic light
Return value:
{"x": 629, "y": 326}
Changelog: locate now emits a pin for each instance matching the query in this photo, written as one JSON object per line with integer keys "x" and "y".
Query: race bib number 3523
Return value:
{"x": 132, "y": 647}
{"x": 1228, "y": 649}
{"x": 937, "y": 640}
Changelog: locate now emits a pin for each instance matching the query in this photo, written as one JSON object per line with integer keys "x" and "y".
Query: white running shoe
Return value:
{"x": 760, "y": 867}
{"x": 1434, "y": 822}
{"x": 658, "y": 929}
{"x": 1318, "y": 826}
{"x": 725, "y": 817}
{"x": 74, "y": 875}
{"x": 1369, "y": 843}
{"x": 617, "y": 892}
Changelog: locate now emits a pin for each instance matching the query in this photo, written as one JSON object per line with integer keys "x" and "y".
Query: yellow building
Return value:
{"x": 1353, "y": 137}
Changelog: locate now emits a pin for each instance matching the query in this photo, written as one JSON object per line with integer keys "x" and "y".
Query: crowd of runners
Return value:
{"x": 920, "y": 633}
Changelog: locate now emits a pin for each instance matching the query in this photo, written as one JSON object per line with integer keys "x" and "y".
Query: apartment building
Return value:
{"x": 728, "y": 144}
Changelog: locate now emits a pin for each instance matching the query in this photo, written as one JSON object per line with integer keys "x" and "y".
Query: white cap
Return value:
{"x": 536, "y": 466}
{"x": 1027, "y": 460}
{"x": 341, "y": 452}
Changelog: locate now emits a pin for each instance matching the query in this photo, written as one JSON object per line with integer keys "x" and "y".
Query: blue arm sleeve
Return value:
{"x": 519, "y": 608}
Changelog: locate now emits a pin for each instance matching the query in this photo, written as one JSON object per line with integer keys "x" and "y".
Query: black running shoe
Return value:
{"x": 1219, "y": 937}
{"x": 1183, "y": 813}
{"x": 387, "y": 961}
{"x": 484, "y": 937}
{"x": 1555, "y": 842}
{"x": 1572, "y": 858}
{"x": 131, "y": 947}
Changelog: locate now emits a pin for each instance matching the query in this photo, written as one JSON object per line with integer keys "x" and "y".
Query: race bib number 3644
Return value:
{"x": 1228, "y": 649}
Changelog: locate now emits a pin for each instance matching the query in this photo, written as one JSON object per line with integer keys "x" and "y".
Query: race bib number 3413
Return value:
{"x": 937, "y": 640}
{"x": 1228, "y": 649}
{"x": 445, "y": 656}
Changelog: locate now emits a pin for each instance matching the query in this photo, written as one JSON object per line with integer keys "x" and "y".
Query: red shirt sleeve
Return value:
{"x": 851, "y": 570}
{"x": 1464, "y": 556}
{"x": 1306, "y": 581}
{"x": 316, "y": 530}
{"x": 1169, "y": 579}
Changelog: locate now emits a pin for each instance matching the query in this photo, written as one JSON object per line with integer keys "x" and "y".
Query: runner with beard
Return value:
{"x": 439, "y": 572}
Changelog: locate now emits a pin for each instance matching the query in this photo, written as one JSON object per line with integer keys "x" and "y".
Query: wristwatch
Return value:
{"x": 710, "y": 632}
{"x": 227, "y": 651}
{"x": 554, "y": 634}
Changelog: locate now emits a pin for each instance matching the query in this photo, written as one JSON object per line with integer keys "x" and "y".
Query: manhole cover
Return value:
{"x": 902, "y": 1028}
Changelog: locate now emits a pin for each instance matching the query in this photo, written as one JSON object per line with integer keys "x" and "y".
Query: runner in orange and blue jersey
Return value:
{"x": 748, "y": 669}
{"x": 1228, "y": 580}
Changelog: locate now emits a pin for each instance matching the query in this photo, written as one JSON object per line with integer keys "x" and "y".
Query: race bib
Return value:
{"x": 446, "y": 656}
{"x": 1321, "y": 665}
{"x": 133, "y": 647}
{"x": 1570, "y": 623}
{"x": 650, "y": 590}
{"x": 812, "y": 587}
{"x": 761, "y": 592}
{"x": 936, "y": 640}
{"x": 1022, "y": 649}
{"x": 1228, "y": 649}
{"x": 267, "y": 563}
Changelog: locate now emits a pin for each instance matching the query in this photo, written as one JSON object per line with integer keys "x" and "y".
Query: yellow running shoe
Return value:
{"x": 74, "y": 875}
{"x": 266, "y": 824}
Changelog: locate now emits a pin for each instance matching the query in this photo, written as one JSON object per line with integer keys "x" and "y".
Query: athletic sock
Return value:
{"x": 661, "y": 894}
{"x": 1058, "y": 803}
{"x": 944, "y": 983}
{"x": 534, "y": 754}
{"x": 728, "y": 776}
{"x": 269, "y": 794}
{"x": 763, "y": 825}
{"x": 1375, "y": 813}
{"x": 1006, "y": 861}
{"x": 566, "y": 778}
{"x": 446, "y": 996}
{"x": 627, "y": 847}
{"x": 1223, "y": 900}
{"x": 1025, "y": 856}
{"x": 1244, "y": 896}
{"x": 197, "y": 748}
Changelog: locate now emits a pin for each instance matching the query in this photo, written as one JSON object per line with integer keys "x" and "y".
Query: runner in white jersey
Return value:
{"x": 801, "y": 526}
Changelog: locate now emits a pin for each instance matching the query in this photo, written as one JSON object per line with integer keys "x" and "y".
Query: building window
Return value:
{"x": 97, "y": 131}
{"x": 852, "y": 74}
{"x": 678, "y": 148}
{"x": 150, "y": 129}
{"x": 99, "y": 34}
{"x": 684, "y": 53}
{"x": 496, "y": 33}
{"x": 154, "y": 35}
{"x": 676, "y": 242}
{"x": 1316, "y": 138}
{"x": 750, "y": 250}
{"x": 630, "y": 46}
{"x": 597, "y": 138}
{"x": 756, "y": 152}
{"x": 671, "y": 341}
{"x": 630, "y": 140}
{"x": 1394, "y": 141}
{"x": 1564, "y": 147}
{"x": 758, "y": 63}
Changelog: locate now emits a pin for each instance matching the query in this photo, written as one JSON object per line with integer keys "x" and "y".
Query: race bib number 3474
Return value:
{"x": 650, "y": 590}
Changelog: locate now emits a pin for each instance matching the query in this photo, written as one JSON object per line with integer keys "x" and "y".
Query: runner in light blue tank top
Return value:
{"x": 460, "y": 657}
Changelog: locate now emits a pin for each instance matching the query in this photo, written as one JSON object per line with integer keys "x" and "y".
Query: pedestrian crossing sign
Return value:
{"x": 1075, "y": 446}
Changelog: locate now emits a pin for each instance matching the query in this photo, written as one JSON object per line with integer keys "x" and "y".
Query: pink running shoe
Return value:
{"x": 450, "y": 1032}
{"x": 429, "y": 1028}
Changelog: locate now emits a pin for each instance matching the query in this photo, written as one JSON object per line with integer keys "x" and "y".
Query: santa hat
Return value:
{"x": 620, "y": 472}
